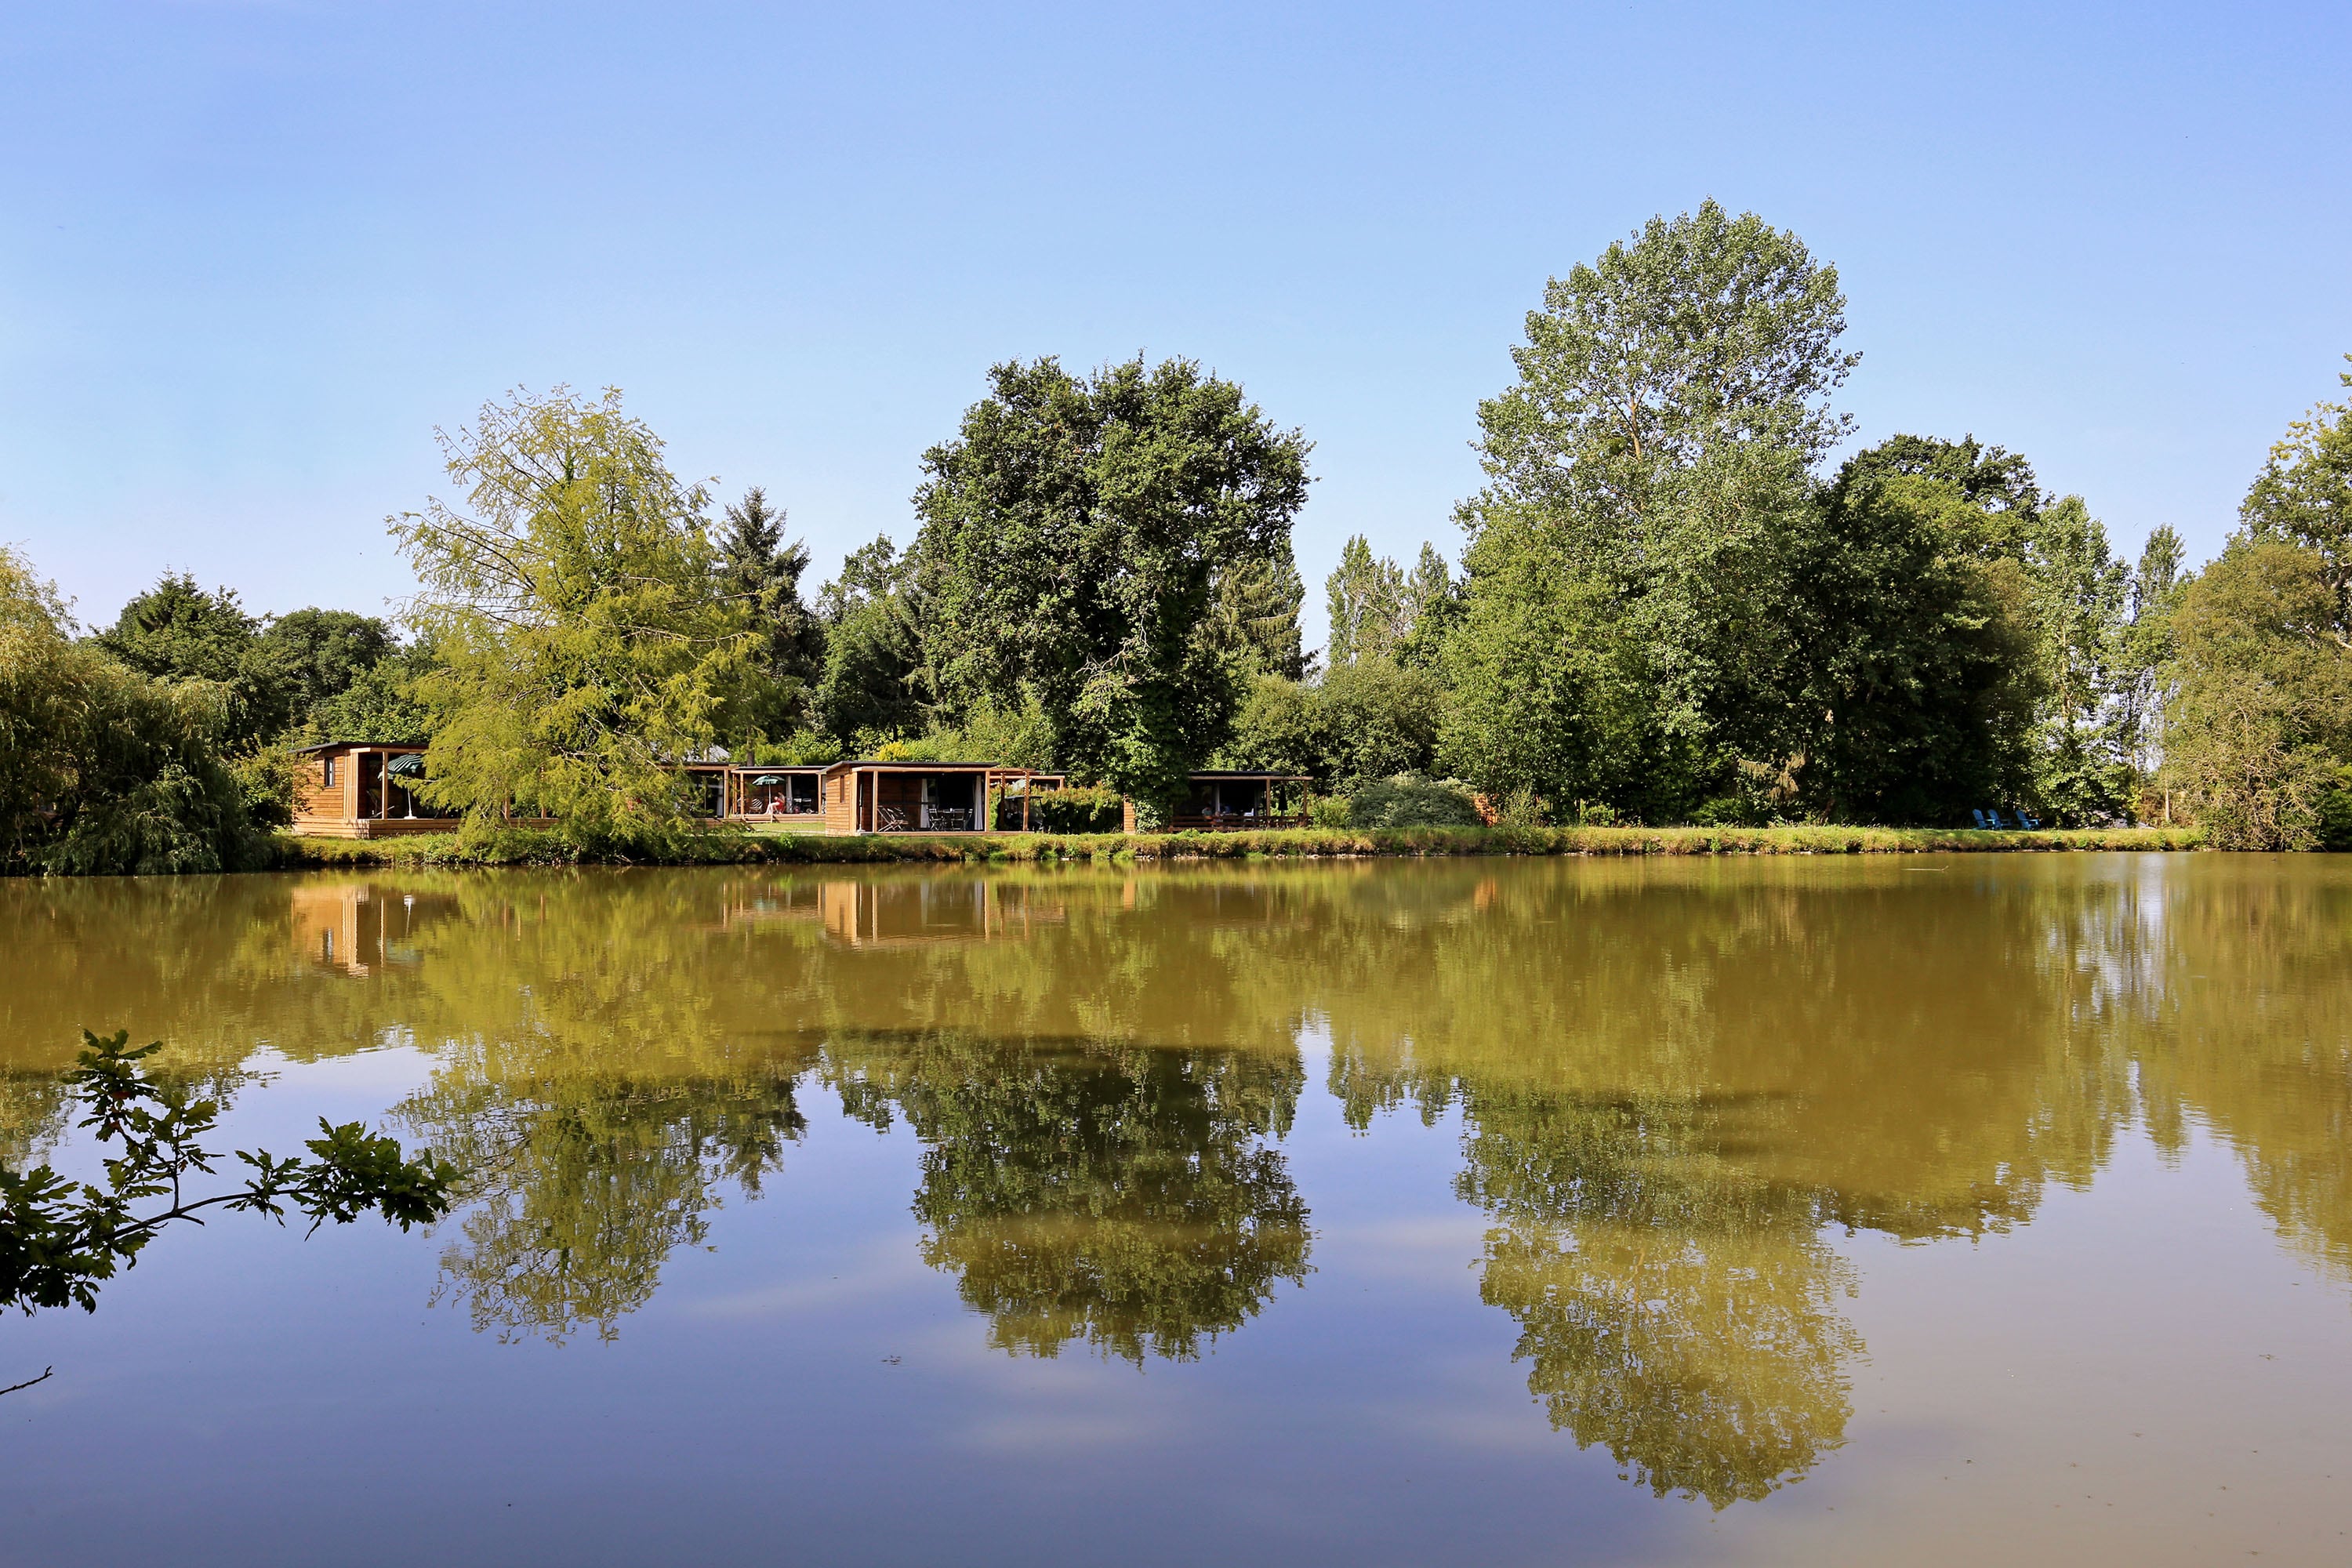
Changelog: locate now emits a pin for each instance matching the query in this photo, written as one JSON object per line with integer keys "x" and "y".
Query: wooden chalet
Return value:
{"x": 871, "y": 796}
{"x": 1233, "y": 800}
{"x": 788, "y": 793}
{"x": 363, "y": 789}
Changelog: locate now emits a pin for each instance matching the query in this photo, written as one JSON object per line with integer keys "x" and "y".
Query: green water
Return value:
{"x": 1922, "y": 1209}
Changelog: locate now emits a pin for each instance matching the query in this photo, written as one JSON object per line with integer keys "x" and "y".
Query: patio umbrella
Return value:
{"x": 767, "y": 781}
{"x": 408, "y": 764}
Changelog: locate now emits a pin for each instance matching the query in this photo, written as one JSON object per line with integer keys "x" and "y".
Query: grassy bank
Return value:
{"x": 536, "y": 848}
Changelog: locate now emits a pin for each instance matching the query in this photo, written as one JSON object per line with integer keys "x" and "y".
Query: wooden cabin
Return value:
{"x": 1233, "y": 800}
{"x": 362, "y": 789}
{"x": 788, "y": 793}
{"x": 871, "y": 796}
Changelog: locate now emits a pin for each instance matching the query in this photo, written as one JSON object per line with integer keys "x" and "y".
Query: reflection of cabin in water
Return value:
{"x": 1230, "y": 800}
{"x": 890, "y": 913}
{"x": 357, "y": 929}
{"x": 353, "y": 789}
{"x": 870, "y": 796}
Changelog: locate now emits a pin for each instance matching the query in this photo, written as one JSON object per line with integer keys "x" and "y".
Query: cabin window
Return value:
{"x": 330, "y": 778}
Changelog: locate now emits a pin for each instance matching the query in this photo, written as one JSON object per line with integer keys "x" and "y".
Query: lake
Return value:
{"x": 1921, "y": 1209}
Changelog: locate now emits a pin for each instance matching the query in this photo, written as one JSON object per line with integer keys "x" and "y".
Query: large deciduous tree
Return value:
{"x": 1649, "y": 477}
{"x": 2258, "y": 721}
{"x": 1074, "y": 532}
{"x": 587, "y": 643}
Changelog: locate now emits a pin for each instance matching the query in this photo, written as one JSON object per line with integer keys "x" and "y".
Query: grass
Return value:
{"x": 533, "y": 848}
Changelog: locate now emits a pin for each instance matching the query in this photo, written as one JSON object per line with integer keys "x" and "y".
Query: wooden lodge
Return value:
{"x": 1238, "y": 800}
{"x": 872, "y": 797}
{"x": 353, "y": 789}
{"x": 788, "y": 793}
{"x": 361, "y": 789}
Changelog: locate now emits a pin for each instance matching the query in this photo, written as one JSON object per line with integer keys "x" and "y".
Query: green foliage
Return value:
{"x": 1366, "y": 605}
{"x": 874, "y": 676}
{"x": 1257, "y": 614}
{"x": 378, "y": 705}
{"x": 1408, "y": 800}
{"x": 1370, "y": 719}
{"x": 62, "y": 1239}
{"x": 176, "y": 631}
{"x": 1132, "y": 1200}
{"x": 762, "y": 569}
{"x": 2335, "y": 811}
{"x": 312, "y": 658}
{"x": 2261, "y": 715}
{"x": 1074, "y": 532}
{"x": 586, "y": 644}
{"x": 2304, "y": 494}
{"x": 1077, "y": 810}
{"x": 1922, "y": 660}
{"x": 2258, "y": 720}
{"x": 801, "y": 749}
{"x": 1624, "y": 633}
{"x": 1380, "y": 614}
{"x": 103, "y": 769}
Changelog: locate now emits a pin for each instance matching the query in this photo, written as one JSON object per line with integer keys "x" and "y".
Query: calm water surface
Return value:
{"x": 1923, "y": 1210}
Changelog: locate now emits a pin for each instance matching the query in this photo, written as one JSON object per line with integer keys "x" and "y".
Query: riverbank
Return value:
{"x": 525, "y": 848}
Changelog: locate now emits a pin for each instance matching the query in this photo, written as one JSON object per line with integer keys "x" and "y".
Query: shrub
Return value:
{"x": 1093, "y": 810}
{"x": 1408, "y": 800}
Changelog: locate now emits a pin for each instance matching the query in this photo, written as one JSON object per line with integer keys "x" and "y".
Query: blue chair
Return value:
{"x": 2028, "y": 823}
{"x": 1988, "y": 820}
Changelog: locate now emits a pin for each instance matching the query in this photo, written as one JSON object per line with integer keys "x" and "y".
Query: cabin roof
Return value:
{"x": 921, "y": 767}
{"x": 1251, "y": 773}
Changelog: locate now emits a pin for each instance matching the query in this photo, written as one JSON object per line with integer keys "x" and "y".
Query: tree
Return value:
{"x": 1649, "y": 476}
{"x": 1366, "y": 608}
{"x": 2081, "y": 768}
{"x": 2304, "y": 494}
{"x": 2146, "y": 651}
{"x": 1921, "y": 658}
{"x": 1257, "y": 604}
{"x": 764, "y": 569}
{"x": 1074, "y": 533}
{"x": 1433, "y": 608}
{"x": 586, "y": 647}
{"x": 176, "y": 631}
{"x": 62, "y": 1239}
{"x": 104, "y": 769}
{"x": 874, "y": 685}
{"x": 2258, "y": 720}
{"x": 2261, "y": 714}
{"x": 311, "y": 656}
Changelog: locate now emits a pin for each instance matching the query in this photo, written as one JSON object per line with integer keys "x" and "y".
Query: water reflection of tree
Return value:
{"x": 1680, "y": 1315}
{"x": 585, "y": 1182}
{"x": 1125, "y": 1196}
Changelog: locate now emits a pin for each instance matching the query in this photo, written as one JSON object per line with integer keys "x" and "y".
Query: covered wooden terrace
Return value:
{"x": 870, "y": 796}
{"x": 1228, "y": 800}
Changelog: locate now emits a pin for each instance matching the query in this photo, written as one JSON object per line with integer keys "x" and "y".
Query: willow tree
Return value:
{"x": 588, "y": 642}
{"x": 1075, "y": 533}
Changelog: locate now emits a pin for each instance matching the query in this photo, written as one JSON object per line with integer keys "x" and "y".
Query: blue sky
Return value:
{"x": 251, "y": 254}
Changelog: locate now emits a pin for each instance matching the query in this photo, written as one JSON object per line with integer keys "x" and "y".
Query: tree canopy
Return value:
{"x": 587, "y": 643}
{"x": 1074, "y": 533}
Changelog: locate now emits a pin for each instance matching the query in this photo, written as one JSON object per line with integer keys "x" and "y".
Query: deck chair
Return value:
{"x": 1988, "y": 820}
{"x": 2028, "y": 823}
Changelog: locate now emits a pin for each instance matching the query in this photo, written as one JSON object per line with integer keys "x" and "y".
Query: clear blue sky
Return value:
{"x": 251, "y": 254}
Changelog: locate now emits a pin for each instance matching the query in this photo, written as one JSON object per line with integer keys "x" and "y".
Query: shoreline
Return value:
{"x": 531, "y": 847}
